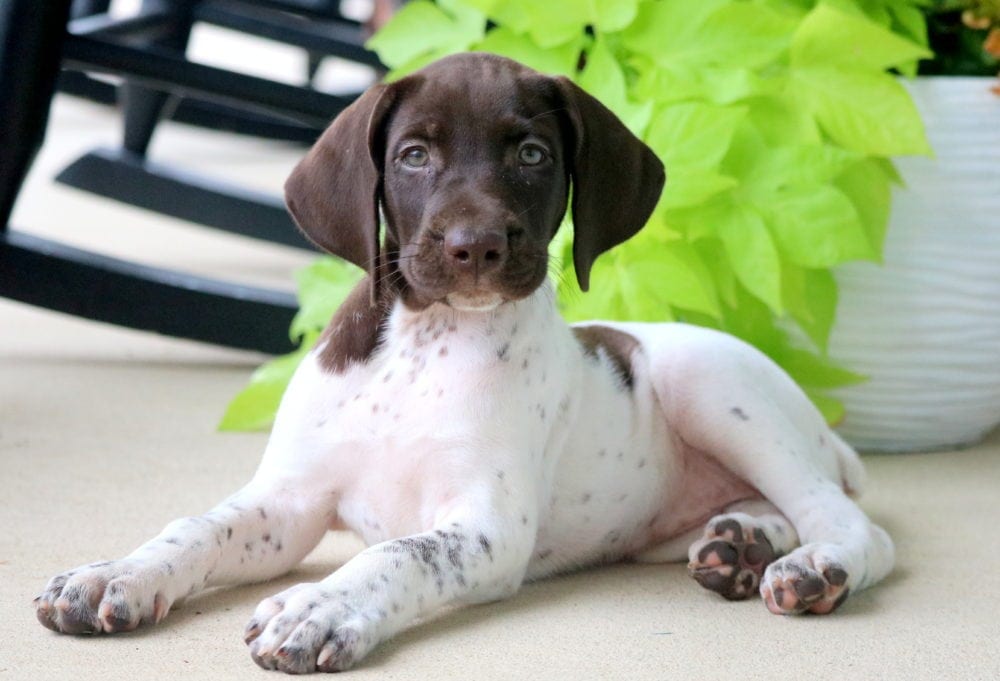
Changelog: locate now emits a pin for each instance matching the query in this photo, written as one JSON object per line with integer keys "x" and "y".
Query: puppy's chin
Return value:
{"x": 474, "y": 303}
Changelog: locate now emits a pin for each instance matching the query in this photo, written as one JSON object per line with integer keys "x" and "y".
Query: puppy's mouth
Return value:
{"x": 429, "y": 280}
{"x": 474, "y": 302}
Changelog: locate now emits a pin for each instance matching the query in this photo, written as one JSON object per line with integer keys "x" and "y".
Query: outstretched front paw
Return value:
{"x": 101, "y": 598}
{"x": 811, "y": 578}
{"x": 311, "y": 628}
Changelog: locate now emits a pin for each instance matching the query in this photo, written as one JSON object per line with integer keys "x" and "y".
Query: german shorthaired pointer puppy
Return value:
{"x": 473, "y": 439}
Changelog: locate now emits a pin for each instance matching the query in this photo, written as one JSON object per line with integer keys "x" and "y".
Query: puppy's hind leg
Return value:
{"x": 725, "y": 398}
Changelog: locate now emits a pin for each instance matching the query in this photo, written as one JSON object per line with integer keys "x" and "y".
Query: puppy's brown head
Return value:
{"x": 471, "y": 160}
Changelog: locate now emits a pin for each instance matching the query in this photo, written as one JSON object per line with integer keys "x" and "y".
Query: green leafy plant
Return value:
{"x": 322, "y": 286}
{"x": 775, "y": 120}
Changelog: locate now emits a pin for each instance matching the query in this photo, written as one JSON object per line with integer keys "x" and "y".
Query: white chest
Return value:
{"x": 399, "y": 435}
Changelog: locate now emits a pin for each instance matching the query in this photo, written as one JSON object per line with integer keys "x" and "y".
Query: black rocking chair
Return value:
{"x": 147, "y": 51}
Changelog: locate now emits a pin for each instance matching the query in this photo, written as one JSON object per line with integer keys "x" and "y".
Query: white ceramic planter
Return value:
{"x": 926, "y": 326}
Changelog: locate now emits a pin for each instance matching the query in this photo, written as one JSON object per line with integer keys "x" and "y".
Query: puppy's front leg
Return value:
{"x": 258, "y": 533}
{"x": 474, "y": 554}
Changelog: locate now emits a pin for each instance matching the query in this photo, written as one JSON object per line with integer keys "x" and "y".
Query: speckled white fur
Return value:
{"x": 477, "y": 449}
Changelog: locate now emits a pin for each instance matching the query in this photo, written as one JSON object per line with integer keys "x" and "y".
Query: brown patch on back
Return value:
{"x": 617, "y": 345}
{"x": 356, "y": 329}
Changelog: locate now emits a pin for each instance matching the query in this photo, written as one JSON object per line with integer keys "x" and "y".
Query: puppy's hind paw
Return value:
{"x": 731, "y": 556}
{"x": 806, "y": 580}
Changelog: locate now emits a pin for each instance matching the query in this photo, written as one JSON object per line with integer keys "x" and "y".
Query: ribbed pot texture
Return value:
{"x": 926, "y": 326}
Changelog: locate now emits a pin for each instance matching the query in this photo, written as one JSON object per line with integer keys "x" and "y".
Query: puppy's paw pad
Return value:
{"x": 731, "y": 556}
{"x": 805, "y": 581}
{"x": 309, "y": 628}
{"x": 100, "y": 598}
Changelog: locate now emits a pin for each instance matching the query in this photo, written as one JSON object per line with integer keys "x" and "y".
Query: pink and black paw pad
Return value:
{"x": 797, "y": 588}
{"x": 731, "y": 558}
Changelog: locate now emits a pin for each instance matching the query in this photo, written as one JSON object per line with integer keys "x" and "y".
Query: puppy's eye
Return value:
{"x": 415, "y": 157}
{"x": 531, "y": 154}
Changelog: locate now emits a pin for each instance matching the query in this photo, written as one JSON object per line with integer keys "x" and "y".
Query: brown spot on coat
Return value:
{"x": 357, "y": 327}
{"x": 617, "y": 345}
{"x": 739, "y": 413}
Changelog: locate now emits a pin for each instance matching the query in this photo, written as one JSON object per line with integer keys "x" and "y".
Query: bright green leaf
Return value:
{"x": 713, "y": 255}
{"x": 748, "y": 34}
{"x": 752, "y": 254}
{"x": 612, "y": 15}
{"x": 867, "y": 186}
{"x": 700, "y": 221}
{"x": 692, "y": 186}
{"x": 745, "y": 154}
{"x": 510, "y": 14}
{"x": 716, "y": 85}
{"x": 811, "y": 370}
{"x": 754, "y": 322}
{"x": 830, "y": 37}
{"x": 322, "y": 287}
{"x": 911, "y": 22}
{"x": 867, "y": 112}
{"x": 671, "y": 273}
{"x": 603, "y": 78}
{"x": 811, "y": 299}
{"x": 417, "y": 63}
{"x": 556, "y": 22}
{"x": 641, "y": 284}
{"x": 487, "y": 7}
{"x": 693, "y": 134}
{"x": 803, "y": 165}
{"x": 890, "y": 170}
{"x": 255, "y": 406}
{"x": 783, "y": 120}
{"x": 708, "y": 33}
{"x": 664, "y": 26}
{"x": 831, "y": 408}
{"x": 441, "y": 33}
{"x": 641, "y": 300}
{"x": 817, "y": 227}
{"x": 560, "y": 60}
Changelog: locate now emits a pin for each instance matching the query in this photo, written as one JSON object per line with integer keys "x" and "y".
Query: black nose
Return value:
{"x": 475, "y": 251}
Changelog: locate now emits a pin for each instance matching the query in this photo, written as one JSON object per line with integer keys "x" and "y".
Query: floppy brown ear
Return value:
{"x": 333, "y": 192}
{"x": 617, "y": 179}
